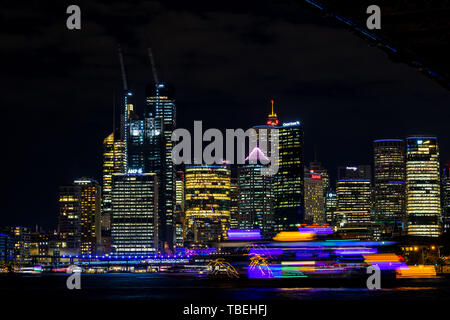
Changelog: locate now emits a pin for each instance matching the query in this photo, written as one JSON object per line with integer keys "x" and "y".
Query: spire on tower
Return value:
{"x": 272, "y": 114}
{"x": 272, "y": 119}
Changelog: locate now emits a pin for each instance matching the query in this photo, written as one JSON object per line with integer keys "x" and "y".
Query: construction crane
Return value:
{"x": 122, "y": 69}
{"x": 152, "y": 61}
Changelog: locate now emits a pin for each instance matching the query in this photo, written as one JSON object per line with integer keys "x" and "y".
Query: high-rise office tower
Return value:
{"x": 390, "y": 184}
{"x": 288, "y": 185}
{"x": 330, "y": 207}
{"x": 423, "y": 202}
{"x": 79, "y": 216}
{"x": 255, "y": 196}
{"x": 148, "y": 147}
{"x": 69, "y": 218}
{"x": 113, "y": 162}
{"x": 90, "y": 205}
{"x": 6, "y": 246}
{"x": 136, "y": 145}
{"x": 354, "y": 195}
{"x": 127, "y": 115}
{"x": 207, "y": 206}
{"x": 179, "y": 191}
{"x": 127, "y": 106}
{"x": 446, "y": 198}
{"x": 179, "y": 209}
{"x": 234, "y": 204}
{"x": 22, "y": 244}
{"x": 134, "y": 221}
{"x": 161, "y": 105}
{"x": 316, "y": 167}
{"x": 264, "y": 140}
{"x": 316, "y": 187}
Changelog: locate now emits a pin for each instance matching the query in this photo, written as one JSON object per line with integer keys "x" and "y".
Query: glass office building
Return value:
{"x": 255, "y": 196}
{"x": 354, "y": 195}
{"x": 113, "y": 162}
{"x": 423, "y": 193}
{"x": 79, "y": 216}
{"x": 446, "y": 198}
{"x": 207, "y": 205}
{"x": 160, "y": 105}
{"x": 288, "y": 187}
{"x": 134, "y": 221}
{"x": 390, "y": 184}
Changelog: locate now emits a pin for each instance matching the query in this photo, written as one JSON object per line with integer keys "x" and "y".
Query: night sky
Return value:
{"x": 226, "y": 60}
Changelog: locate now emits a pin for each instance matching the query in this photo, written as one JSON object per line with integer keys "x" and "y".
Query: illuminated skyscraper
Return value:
{"x": 6, "y": 246}
{"x": 288, "y": 186}
{"x": 330, "y": 207}
{"x": 134, "y": 221}
{"x": 423, "y": 202}
{"x": 179, "y": 191}
{"x": 316, "y": 186}
{"x": 22, "y": 244}
{"x": 69, "y": 218}
{"x": 255, "y": 196}
{"x": 79, "y": 216}
{"x": 136, "y": 145}
{"x": 90, "y": 203}
{"x": 113, "y": 162}
{"x": 316, "y": 167}
{"x": 179, "y": 209}
{"x": 234, "y": 204}
{"x": 264, "y": 140}
{"x": 390, "y": 184}
{"x": 161, "y": 105}
{"x": 354, "y": 195}
{"x": 446, "y": 198}
{"x": 128, "y": 111}
{"x": 207, "y": 191}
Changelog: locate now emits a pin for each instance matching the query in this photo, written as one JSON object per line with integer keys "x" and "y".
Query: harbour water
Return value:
{"x": 130, "y": 286}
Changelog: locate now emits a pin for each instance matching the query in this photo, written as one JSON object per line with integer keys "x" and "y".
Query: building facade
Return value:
{"x": 354, "y": 195}
{"x": 331, "y": 207}
{"x": 160, "y": 105}
{"x": 134, "y": 220}
{"x": 288, "y": 185}
{"x": 234, "y": 204}
{"x": 423, "y": 194}
{"x": 113, "y": 162}
{"x": 90, "y": 214}
{"x": 446, "y": 198}
{"x": 255, "y": 196}
{"x": 179, "y": 209}
{"x": 390, "y": 184}
{"x": 79, "y": 220}
{"x": 207, "y": 205}
{"x": 69, "y": 218}
{"x": 316, "y": 187}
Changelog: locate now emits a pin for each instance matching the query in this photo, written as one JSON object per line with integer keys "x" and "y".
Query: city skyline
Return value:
{"x": 353, "y": 106}
{"x": 240, "y": 159}
{"x": 334, "y": 181}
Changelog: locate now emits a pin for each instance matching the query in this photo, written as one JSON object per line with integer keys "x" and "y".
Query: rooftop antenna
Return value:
{"x": 152, "y": 61}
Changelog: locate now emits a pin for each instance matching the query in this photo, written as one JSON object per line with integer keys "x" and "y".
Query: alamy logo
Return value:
{"x": 74, "y": 280}
{"x": 74, "y": 20}
{"x": 261, "y": 142}
{"x": 374, "y": 281}
{"x": 374, "y": 20}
